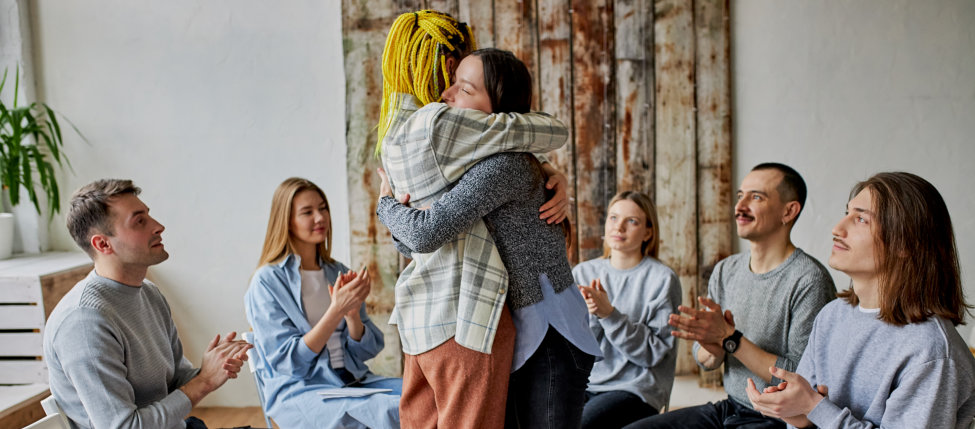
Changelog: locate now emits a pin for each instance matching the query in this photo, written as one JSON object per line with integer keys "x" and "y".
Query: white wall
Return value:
{"x": 208, "y": 106}
{"x": 841, "y": 90}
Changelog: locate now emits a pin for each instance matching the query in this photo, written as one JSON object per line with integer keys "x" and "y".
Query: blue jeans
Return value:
{"x": 550, "y": 389}
{"x": 713, "y": 415}
{"x": 613, "y": 409}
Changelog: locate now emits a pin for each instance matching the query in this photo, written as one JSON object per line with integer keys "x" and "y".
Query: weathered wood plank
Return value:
{"x": 634, "y": 96}
{"x": 479, "y": 14}
{"x": 555, "y": 89}
{"x": 516, "y": 28}
{"x": 593, "y": 118}
{"x": 676, "y": 165}
{"x": 714, "y": 190}
{"x": 450, "y": 7}
{"x": 364, "y": 28}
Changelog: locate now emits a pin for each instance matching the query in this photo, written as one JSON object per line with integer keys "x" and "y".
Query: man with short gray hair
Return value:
{"x": 114, "y": 356}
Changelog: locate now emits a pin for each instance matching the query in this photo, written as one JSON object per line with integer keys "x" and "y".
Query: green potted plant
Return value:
{"x": 30, "y": 147}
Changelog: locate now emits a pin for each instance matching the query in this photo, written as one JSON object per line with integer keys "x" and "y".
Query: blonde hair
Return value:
{"x": 650, "y": 247}
{"x": 278, "y": 241}
{"x": 415, "y": 59}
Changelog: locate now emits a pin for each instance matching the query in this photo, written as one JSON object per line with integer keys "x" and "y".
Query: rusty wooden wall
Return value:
{"x": 645, "y": 86}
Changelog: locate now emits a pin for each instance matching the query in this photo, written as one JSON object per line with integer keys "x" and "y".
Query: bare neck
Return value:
{"x": 769, "y": 254}
{"x": 309, "y": 256}
{"x": 866, "y": 290}
{"x": 624, "y": 261}
{"x": 126, "y": 274}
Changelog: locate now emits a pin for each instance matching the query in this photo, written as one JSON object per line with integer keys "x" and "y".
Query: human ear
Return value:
{"x": 649, "y": 235}
{"x": 452, "y": 63}
{"x": 791, "y": 211}
{"x": 100, "y": 243}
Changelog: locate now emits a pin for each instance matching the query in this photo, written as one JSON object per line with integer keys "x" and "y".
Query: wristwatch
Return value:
{"x": 731, "y": 343}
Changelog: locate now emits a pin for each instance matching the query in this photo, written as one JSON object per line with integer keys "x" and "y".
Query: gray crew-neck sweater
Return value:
{"x": 639, "y": 356}
{"x": 919, "y": 375}
{"x": 774, "y": 310}
{"x": 114, "y": 357}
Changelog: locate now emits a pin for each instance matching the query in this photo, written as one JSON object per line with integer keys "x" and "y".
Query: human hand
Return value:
{"x": 364, "y": 277}
{"x": 597, "y": 300}
{"x": 387, "y": 191}
{"x": 349, "y": 292}
{"x": 556, "y": 208}
{"x": 708, "y": 326}
{"x": 223, "y": 359}
{"x": 791, "y": 398}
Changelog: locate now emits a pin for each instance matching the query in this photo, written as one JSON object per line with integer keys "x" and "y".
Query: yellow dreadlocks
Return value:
{"x": 415, "y": 59}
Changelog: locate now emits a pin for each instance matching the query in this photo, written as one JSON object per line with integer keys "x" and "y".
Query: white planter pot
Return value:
{"x": 6, "y": 235}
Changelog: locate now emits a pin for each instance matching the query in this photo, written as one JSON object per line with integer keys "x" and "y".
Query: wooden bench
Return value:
{"x": 30, "y": 287}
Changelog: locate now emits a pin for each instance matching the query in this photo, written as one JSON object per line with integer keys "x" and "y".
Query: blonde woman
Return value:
{"x": 310, "y": 323}
{"x": 630, "y": 295}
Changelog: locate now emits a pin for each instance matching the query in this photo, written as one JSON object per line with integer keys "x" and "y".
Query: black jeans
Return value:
{"x": 195, "y": 423}
{"x": 713, "y": 415}
{"x": 550, "y": 389}
{"x": 613, "y": 409}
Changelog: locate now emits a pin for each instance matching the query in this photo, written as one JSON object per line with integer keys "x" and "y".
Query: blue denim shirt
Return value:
{"x": 565, "y": 311}
{"x": 287, "y": 366}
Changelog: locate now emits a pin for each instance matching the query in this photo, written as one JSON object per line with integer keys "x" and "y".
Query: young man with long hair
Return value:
{"x": 887, "y": 354}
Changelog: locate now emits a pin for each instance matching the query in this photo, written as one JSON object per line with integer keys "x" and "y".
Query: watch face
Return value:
{"x": 730, "y": 346}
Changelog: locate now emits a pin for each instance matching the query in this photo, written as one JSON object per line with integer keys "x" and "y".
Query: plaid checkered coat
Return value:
{"x": 458, "y": 290}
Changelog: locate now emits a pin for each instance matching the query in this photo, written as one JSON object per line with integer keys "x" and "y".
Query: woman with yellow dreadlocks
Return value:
{"x": 450, "y": 308}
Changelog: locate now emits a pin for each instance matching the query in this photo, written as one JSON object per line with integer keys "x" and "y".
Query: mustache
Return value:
{"x": 742, "y": 215}
{"x": 841, "y": 242}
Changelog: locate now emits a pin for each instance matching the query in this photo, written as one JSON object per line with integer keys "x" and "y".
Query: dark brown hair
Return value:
{"x": 89, "y": 213}
{"x": 791, "y": 188}
{"x": 506, "y": 80}
{"x": 916, "y": 257}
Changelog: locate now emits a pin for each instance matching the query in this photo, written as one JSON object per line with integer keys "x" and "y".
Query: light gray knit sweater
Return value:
{"x": 774, "y": 310}
{"x": 114, "y": 357}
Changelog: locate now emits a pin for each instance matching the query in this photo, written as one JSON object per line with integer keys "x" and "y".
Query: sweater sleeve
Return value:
{"x": 90, "y": 355}
{"x": 485, "y": 187}
{"x": 400, "y": 247}
{"x": 645, "y": 342}
{"x": 184, "y": 369}
{"x": 808, "y": 300}
{"x": 926, "y": 396}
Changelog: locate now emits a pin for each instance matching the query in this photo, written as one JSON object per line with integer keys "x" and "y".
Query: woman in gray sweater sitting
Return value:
{"x": 629, "y": 294}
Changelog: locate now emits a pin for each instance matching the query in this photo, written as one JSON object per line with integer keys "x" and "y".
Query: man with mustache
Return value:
{"x": 761, "y": 303}
{"x": 114, "y": 356}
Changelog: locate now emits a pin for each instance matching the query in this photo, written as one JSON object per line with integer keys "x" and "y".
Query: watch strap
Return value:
{"x": 731, "y": 343}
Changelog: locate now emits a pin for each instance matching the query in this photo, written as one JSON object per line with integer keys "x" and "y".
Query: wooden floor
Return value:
{"x": 230, "y": 417}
